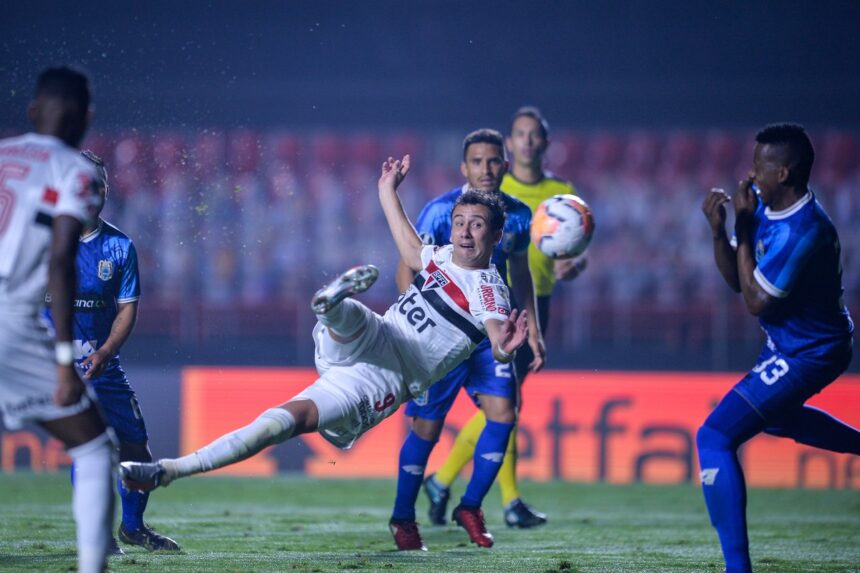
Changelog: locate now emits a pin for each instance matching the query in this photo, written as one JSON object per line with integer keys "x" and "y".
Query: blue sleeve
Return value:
{"x": 786, "y": 255}
{"x": 523, "y": 237}
{"x": 432, "y": 223}
{"x": 129, "y": 286}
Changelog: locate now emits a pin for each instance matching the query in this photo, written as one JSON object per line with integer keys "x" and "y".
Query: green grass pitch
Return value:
{"x": 296, "y": 524}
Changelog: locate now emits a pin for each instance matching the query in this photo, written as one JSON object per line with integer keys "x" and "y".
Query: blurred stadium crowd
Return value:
{"x": 236, "y": 230}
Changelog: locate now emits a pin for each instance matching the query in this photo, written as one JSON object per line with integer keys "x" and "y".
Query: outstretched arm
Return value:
{"x": 408, "y": 242}
{"x": 506, "y": 336}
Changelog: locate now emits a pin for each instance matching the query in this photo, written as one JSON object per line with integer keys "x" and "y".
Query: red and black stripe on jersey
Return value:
{"x": 443, "y": 307}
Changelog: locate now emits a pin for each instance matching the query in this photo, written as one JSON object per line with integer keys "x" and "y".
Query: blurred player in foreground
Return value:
{"x": 370, "y": 364}
{"x": 786, "y": 264}
{"x": 47, "y": 195}
{"x": 489, "y": 381}
{"x": 530, "y": 183}
{"x": 106, "y": 304}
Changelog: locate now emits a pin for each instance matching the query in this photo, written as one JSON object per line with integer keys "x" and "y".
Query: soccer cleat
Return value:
{"x": 520, "y": 514}
{"x": 355, "y": 280}
{"x": 143, "y": 477}
{"x": 438, "y": 495}
{"x": 147, "y": 538}
{"x": 472, "y": 520}
{"x": 114, "y": 548}
{"x": 406, "y": 535}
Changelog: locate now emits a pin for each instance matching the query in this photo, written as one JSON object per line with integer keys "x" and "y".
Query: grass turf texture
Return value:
{"x": 295, "y": 524}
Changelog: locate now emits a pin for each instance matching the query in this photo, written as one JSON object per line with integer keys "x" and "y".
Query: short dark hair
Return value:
{"x": 99, "y": 163}
{"x": 793, "y": 138}
{"x": 65, "y": 83}
{"x": 492, "y": 201}
{"x": 534, "y": 113}
{"x": 485, "y": 135}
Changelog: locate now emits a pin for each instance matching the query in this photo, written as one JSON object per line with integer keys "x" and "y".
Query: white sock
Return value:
{"x": 273, "y": 426}
{"x": 93, "y": 500}
{"x": 346, "y": 319}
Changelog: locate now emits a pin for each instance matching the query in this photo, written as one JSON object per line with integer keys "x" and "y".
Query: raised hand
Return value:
{"x": 745, "y": 201}
{"x": 714, "y": 208}
{"x": 393, "y": 173}
{"x": 569, "y": 269}
{"x": 745, "y": 204}
{"x": 514, "y": 331}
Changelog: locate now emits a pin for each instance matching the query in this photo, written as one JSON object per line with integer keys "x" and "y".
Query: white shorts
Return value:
{"x": 28, "y": 372}
{"x": 361, "y": 383}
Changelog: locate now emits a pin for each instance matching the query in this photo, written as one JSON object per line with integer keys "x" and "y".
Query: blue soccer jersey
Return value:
{"x": 797, "y": 255}
{"x": 107, "y": 276}
{"x": 434, "y": 226}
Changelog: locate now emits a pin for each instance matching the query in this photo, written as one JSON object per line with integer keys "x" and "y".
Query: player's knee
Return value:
{"x": 503, "y": 417}
{"x": 709, "y": 439}
{"x": 279, "y": 423}
{"x": 428, "y": 430}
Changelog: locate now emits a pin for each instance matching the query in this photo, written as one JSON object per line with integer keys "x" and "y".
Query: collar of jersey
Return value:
{"x": 45, "y": 138}
{"x": 92, "y": 234}
{"x": 785, "y": 213}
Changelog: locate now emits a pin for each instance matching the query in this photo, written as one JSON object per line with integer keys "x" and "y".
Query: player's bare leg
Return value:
{"x": 274, "y": 426}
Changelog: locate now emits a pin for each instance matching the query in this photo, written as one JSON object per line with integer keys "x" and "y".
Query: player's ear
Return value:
{"x": 463, "y": 169}
{"x": 783, "y": 174}
{"x": 497, "y": 236}
{"x": 546, "y": 142}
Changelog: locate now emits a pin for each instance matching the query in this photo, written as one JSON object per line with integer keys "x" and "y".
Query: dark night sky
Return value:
{"x": 389, "y": 64}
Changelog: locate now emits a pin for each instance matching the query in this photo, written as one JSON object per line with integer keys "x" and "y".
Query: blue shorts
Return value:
{"x": 779, "y": 384}
{"x": 120, "y": 408}
{"x": 478, "y": 374}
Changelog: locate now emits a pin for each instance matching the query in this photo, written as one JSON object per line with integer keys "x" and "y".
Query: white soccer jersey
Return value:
{"x": 40, "y": 178}
{"x": 432, "y": 327}
{"x": 439, "y": 320}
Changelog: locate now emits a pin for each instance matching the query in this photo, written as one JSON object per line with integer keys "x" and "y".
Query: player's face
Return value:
{"x": 484, "y": 166}
{"x": 472, "y": 237}
{"x": 767, "y": 172}
{"x": 527, "y": 142}
{"x": 102, "y": 190}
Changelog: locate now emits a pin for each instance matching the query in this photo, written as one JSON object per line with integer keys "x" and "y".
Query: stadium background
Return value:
{"x": 243, "y": 142}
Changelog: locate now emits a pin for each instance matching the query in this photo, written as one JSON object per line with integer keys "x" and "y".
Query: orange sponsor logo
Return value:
{"x": 615, "y": 427}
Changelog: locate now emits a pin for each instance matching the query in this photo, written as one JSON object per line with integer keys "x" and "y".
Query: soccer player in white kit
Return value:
{"x": 370, "y": 364}
{"x": 47, "y": 194}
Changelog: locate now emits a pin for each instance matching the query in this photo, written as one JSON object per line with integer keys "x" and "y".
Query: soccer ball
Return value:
{"x": 562, "y": 226}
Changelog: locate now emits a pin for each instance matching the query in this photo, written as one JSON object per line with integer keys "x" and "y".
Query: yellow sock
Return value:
{"x": 508, "y": 472}
{"x": 463, "y": 450}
